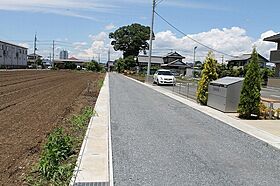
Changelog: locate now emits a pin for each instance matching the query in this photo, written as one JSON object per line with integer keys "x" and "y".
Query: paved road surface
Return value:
{"x": 159, "y": 141}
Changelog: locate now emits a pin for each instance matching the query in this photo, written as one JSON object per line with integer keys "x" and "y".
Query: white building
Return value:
{"x": 63, "y": 54}
{"x": 12, "y": 56}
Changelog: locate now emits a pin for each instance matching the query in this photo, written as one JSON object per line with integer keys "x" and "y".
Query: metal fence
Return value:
{"x": 185, "y": 87}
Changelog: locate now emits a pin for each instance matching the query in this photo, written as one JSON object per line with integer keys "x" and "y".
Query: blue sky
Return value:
{"x": 83, "y": 25}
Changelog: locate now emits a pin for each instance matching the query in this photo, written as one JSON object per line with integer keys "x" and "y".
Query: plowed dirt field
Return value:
{"x": 32, "y": 103}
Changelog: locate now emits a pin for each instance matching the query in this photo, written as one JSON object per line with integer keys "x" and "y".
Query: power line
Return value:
{"x": 178, "y": 30}
{"x": 158, "y": 2}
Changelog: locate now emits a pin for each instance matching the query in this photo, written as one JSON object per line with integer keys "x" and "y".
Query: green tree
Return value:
{"x": 94, "y": 66}
{"x": 209, "y": 73}
{"x": 250, "y": 94}
{"x": 39, "y": 61}
{"x": 70, "y": 65}
{"x": 129, "y": 62}
{"x": 120, "y": 65}
{"x": 131, "y": 39}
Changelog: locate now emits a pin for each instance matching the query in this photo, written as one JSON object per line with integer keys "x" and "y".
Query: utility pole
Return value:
{"x": 35, "y": 44}
{"x": 222, "y": 59}
{"x": 99, "y": 57}
{"x": 194, "y": 49}
{"x": 109, "y": 55}
{"x": 35, "y": 48}
{"x": 151, "y": 39}
{"x": 53, "y": 54}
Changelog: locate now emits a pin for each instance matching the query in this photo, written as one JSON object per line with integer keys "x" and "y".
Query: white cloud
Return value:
{"x": 100, "y": 45}
{"x": 86, "y": 9}
{"x": 79, "y": 45}
{"x": 233, "y": 41}
{"x": 71, "y": 8}
{"x": 265, "y": 47}
{"x": 110, "y": 26}
{"x": 26, "y": 45}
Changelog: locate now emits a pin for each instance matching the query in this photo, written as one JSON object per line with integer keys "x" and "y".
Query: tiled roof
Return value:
{"x": 154, "y": 59}
{"x": 245, "y": 57}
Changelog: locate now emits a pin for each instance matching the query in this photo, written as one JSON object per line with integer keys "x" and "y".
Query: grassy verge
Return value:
{"x": 60, "y": 152}
{"x": 100, "y": 83}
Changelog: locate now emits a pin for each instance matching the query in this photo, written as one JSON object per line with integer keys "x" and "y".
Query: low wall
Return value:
{"x": 273, "y": 82}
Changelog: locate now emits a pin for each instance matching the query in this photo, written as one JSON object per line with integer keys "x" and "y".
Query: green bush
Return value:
{"x": 57, "y": 149}
{"x": 70, "y": 65}
{"x": 94, "y": 66}
{"x": 120, "y": 65}
{"x": 209, "y": 73}
{"x": 80, "y": 121}
{"x": 250, "y": 94}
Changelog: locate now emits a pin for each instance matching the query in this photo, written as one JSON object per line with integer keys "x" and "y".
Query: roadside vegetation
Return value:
{"x": 59, "y": 154}
{"x": 249, "y": 106}
{"x": 94, "y": 66}
{"x": 130, "y": 39}
{"x": 209, "y": 73}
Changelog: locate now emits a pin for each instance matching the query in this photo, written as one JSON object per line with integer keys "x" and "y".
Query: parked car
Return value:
{"x": 164, "y": 77}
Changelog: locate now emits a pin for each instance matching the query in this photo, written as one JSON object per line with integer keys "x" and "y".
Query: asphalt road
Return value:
{"x": 159, "y": 141}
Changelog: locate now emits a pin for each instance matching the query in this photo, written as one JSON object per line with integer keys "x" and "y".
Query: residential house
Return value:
{"x": 275, "y": 54}
{"x": 172, "y": 61}
{"x": 60, "y": 63}
{"x": 12, "y": 56}
{"x": 244, "y": 59}
{"x": 32, "y": 59}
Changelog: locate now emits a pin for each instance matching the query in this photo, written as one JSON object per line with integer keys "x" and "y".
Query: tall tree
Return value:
{"x": 209, "y": 73}
{"x": 131, "y": 39}
{"x": 250, "y": 94}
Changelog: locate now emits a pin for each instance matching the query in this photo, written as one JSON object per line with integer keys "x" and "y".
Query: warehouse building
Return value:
{"x": 12, "y": 56}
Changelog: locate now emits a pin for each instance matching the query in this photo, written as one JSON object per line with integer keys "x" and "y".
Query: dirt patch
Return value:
{"x": 32, "y": 104}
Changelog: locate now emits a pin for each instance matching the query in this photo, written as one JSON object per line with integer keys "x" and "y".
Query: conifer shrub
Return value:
{"x": 209, "y": 73}
{"x": 250, "y": 94}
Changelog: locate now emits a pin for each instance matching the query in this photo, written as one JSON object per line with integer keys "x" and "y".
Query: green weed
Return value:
{"x": 81, "y": 121}
{"x": 57, "y": 149}
{"x": 100, "y": 83}
{"x": 58, "y": 157}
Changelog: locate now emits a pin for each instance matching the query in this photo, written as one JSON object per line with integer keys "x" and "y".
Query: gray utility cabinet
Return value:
{"x": 224, "y": 93}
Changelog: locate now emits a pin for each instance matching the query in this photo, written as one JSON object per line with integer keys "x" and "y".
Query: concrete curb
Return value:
{"x": 238, "y": 124}
{"x": 94, "y": 164}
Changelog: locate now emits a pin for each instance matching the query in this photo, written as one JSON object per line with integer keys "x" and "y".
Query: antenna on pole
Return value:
{"x": 53, "y": 54}
{"x": 109, "y": 54}
{"x": 151, "y": 38}
{"x": 99, "y": 57}
{"x": 35, "y": 48}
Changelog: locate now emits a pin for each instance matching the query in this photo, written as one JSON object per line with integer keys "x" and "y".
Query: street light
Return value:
{"x": 194, "y": 49}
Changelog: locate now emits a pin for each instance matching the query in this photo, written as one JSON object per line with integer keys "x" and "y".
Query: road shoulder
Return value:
{"x": 94, "y": 165}
{"x": 235, "y": 123}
